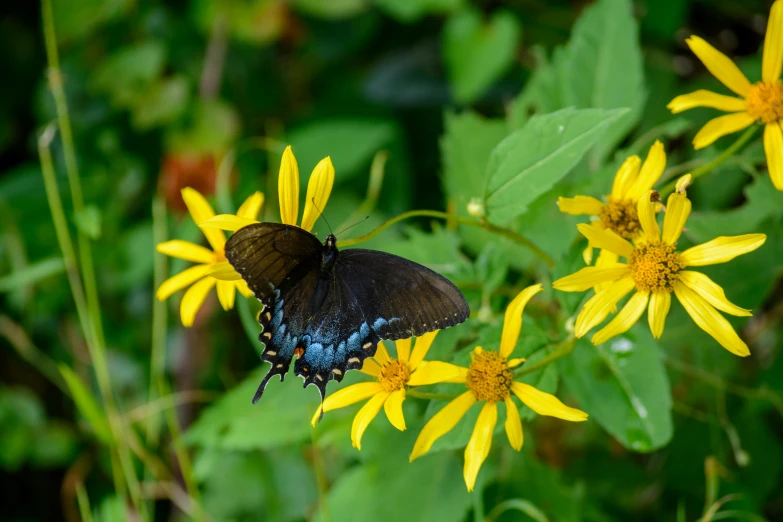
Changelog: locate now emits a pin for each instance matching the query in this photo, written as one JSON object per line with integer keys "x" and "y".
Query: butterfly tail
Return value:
{"x": 272, "y": 371}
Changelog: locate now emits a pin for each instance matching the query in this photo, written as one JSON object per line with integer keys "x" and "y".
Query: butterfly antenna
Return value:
{"x": 321, "y": 215}
{"x": 351, "y": 226}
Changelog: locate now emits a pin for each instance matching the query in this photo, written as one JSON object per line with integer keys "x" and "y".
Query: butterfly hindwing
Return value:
{"x": 331, "y": 309}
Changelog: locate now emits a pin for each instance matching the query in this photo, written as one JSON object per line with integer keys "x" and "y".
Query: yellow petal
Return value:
{"x": 598, "y": 307}
{"x": 370, "y": 367}
{"x": 381, "y": 355}
{"x": 651, "y": 171}
{"x": 580, "y": 205}
{"x": 365, "y": 417}
{"x": 719, "y": 65}
{"x": 624, "y": 320}
{"x": 626, "y": 177}
{"x": 177, "y": 282}
{"x": 193, "y": 299}
{"x": 403, "y": 349}
{"x": 442, "y": 423}
{"x": 251, "y": 207}
{"x": 513, "y": 425}
{"x": 512, "y": 323}
{"x": 393, "y": 409}
{"x": 351, "y": 395}
{"x": 660, "y": 302}
{"x": 186, "y": 250}
{"x": 773, "y": 146}
{"x": 683, "y": 183}
{"x": 704, "y": 98}
{"x": 587, "y": 254}
{"x": 432, "y": 372}
{"x": 722, "y": 249}
{"x": 480, "y": 443}
{"x": 720, "y": 126}
{"x": 243, "y": 288}
{"x": 224, "y": 272}
{"x": 228, "y": 222}
{"x": 606, "y": 239}
{"x": 200, "y": 211}
{"x": 773, "y": 45}
{"x": 318, "y": 189}
{"x": 226, "y": 291}
{"x": 678, "y": 208}
{"x": 591, "y": 276}
{"x": 606, "y": 259}
{"x": 546, "y": 404}
{"x": 645, "y": 209}
{"x": 710, "y": 292}
{"x": 420, "y": 349}
{"x": 709, "y": 320}
{"x": 288, "y": 188}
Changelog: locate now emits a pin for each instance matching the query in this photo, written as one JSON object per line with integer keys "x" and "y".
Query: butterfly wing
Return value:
{"x": 280, "y": 264}
{"x": 371, "y": 296}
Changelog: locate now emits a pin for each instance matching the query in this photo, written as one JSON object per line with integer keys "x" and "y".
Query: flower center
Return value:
{"x": 654, "y": 266}
{"x": 488, "y": 376}
{"x": 765, "y": 101}
{"x": 619, "y": 216}
{"x": 394, "y": 375}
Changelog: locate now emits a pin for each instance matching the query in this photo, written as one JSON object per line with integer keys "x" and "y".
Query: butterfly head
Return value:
{"x": 329, "y": 254}
{"x": 331, "y": 242}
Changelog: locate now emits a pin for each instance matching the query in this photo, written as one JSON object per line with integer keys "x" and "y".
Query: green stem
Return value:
{"x": 486, "y": 225}
{"x": 410, "y": 392}
{"x": 159, "y": 326}
{"x": 95, "y": 349}
{"x": 723, "y": 156}
{"x": 84, "y": 503}
{"x": 560, "y": 350}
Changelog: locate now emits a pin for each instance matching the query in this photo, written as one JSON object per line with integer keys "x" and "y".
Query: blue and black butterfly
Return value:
{"x": 330, "y": 308}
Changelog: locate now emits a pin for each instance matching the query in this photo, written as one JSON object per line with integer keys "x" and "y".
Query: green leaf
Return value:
{"x": 432, "y": 488}
{"x": 412, "y": 10}
{"x": 88, "y": 221}
{"x": 87, "y": 405}
{"x": 623, "y": 386}
{"x": 531, "y": 160}
{"x": 165, "y": 101}
{"x": 32, "y": 274}
{"x": 233, "y": 423}
{"x": 128, "y": 73}
{"x": 351, "y": 143}
{"x": 76, "y": 19}
{"x": 477, "y": 53}
{"x": 605, "y": 68}
{"x": 212, "y": 128}
{"x": 331, "y": 10}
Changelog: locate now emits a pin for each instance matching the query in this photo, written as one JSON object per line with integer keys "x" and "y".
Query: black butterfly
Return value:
{"x": 330, "y": 308}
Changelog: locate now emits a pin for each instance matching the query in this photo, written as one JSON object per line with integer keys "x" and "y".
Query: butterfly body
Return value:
{"x": 330, "y": 308}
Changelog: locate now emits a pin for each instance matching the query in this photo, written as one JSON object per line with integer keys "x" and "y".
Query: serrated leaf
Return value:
{"x": 531, "y": 160}
{"x": 87, "y": 405}
{"x": 478, "y": 53}
{"x": 623, "y": 386}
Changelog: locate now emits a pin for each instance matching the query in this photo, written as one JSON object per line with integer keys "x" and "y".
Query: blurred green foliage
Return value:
{"x": 500, "y": 106}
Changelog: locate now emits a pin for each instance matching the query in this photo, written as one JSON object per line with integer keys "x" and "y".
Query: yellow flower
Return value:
{"x": 760, "y": 102}
{"x": 489, "y": 380}
{"x": 618, "y": 213}
{"x": 198, "y": 276}
{"x": 654, "y": 270}
{"x": 388, "y": 391}
{"x": 318, "y": 189}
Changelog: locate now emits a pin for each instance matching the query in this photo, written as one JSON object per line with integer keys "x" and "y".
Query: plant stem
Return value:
{"x": 723, "y": 156}
{"x": 95, "y": 348}
{"x": 427, "y": 395}
{"x": 486, "y": 225}
{"x": 560, "y": 350}
{"x": 159, "y": 326}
